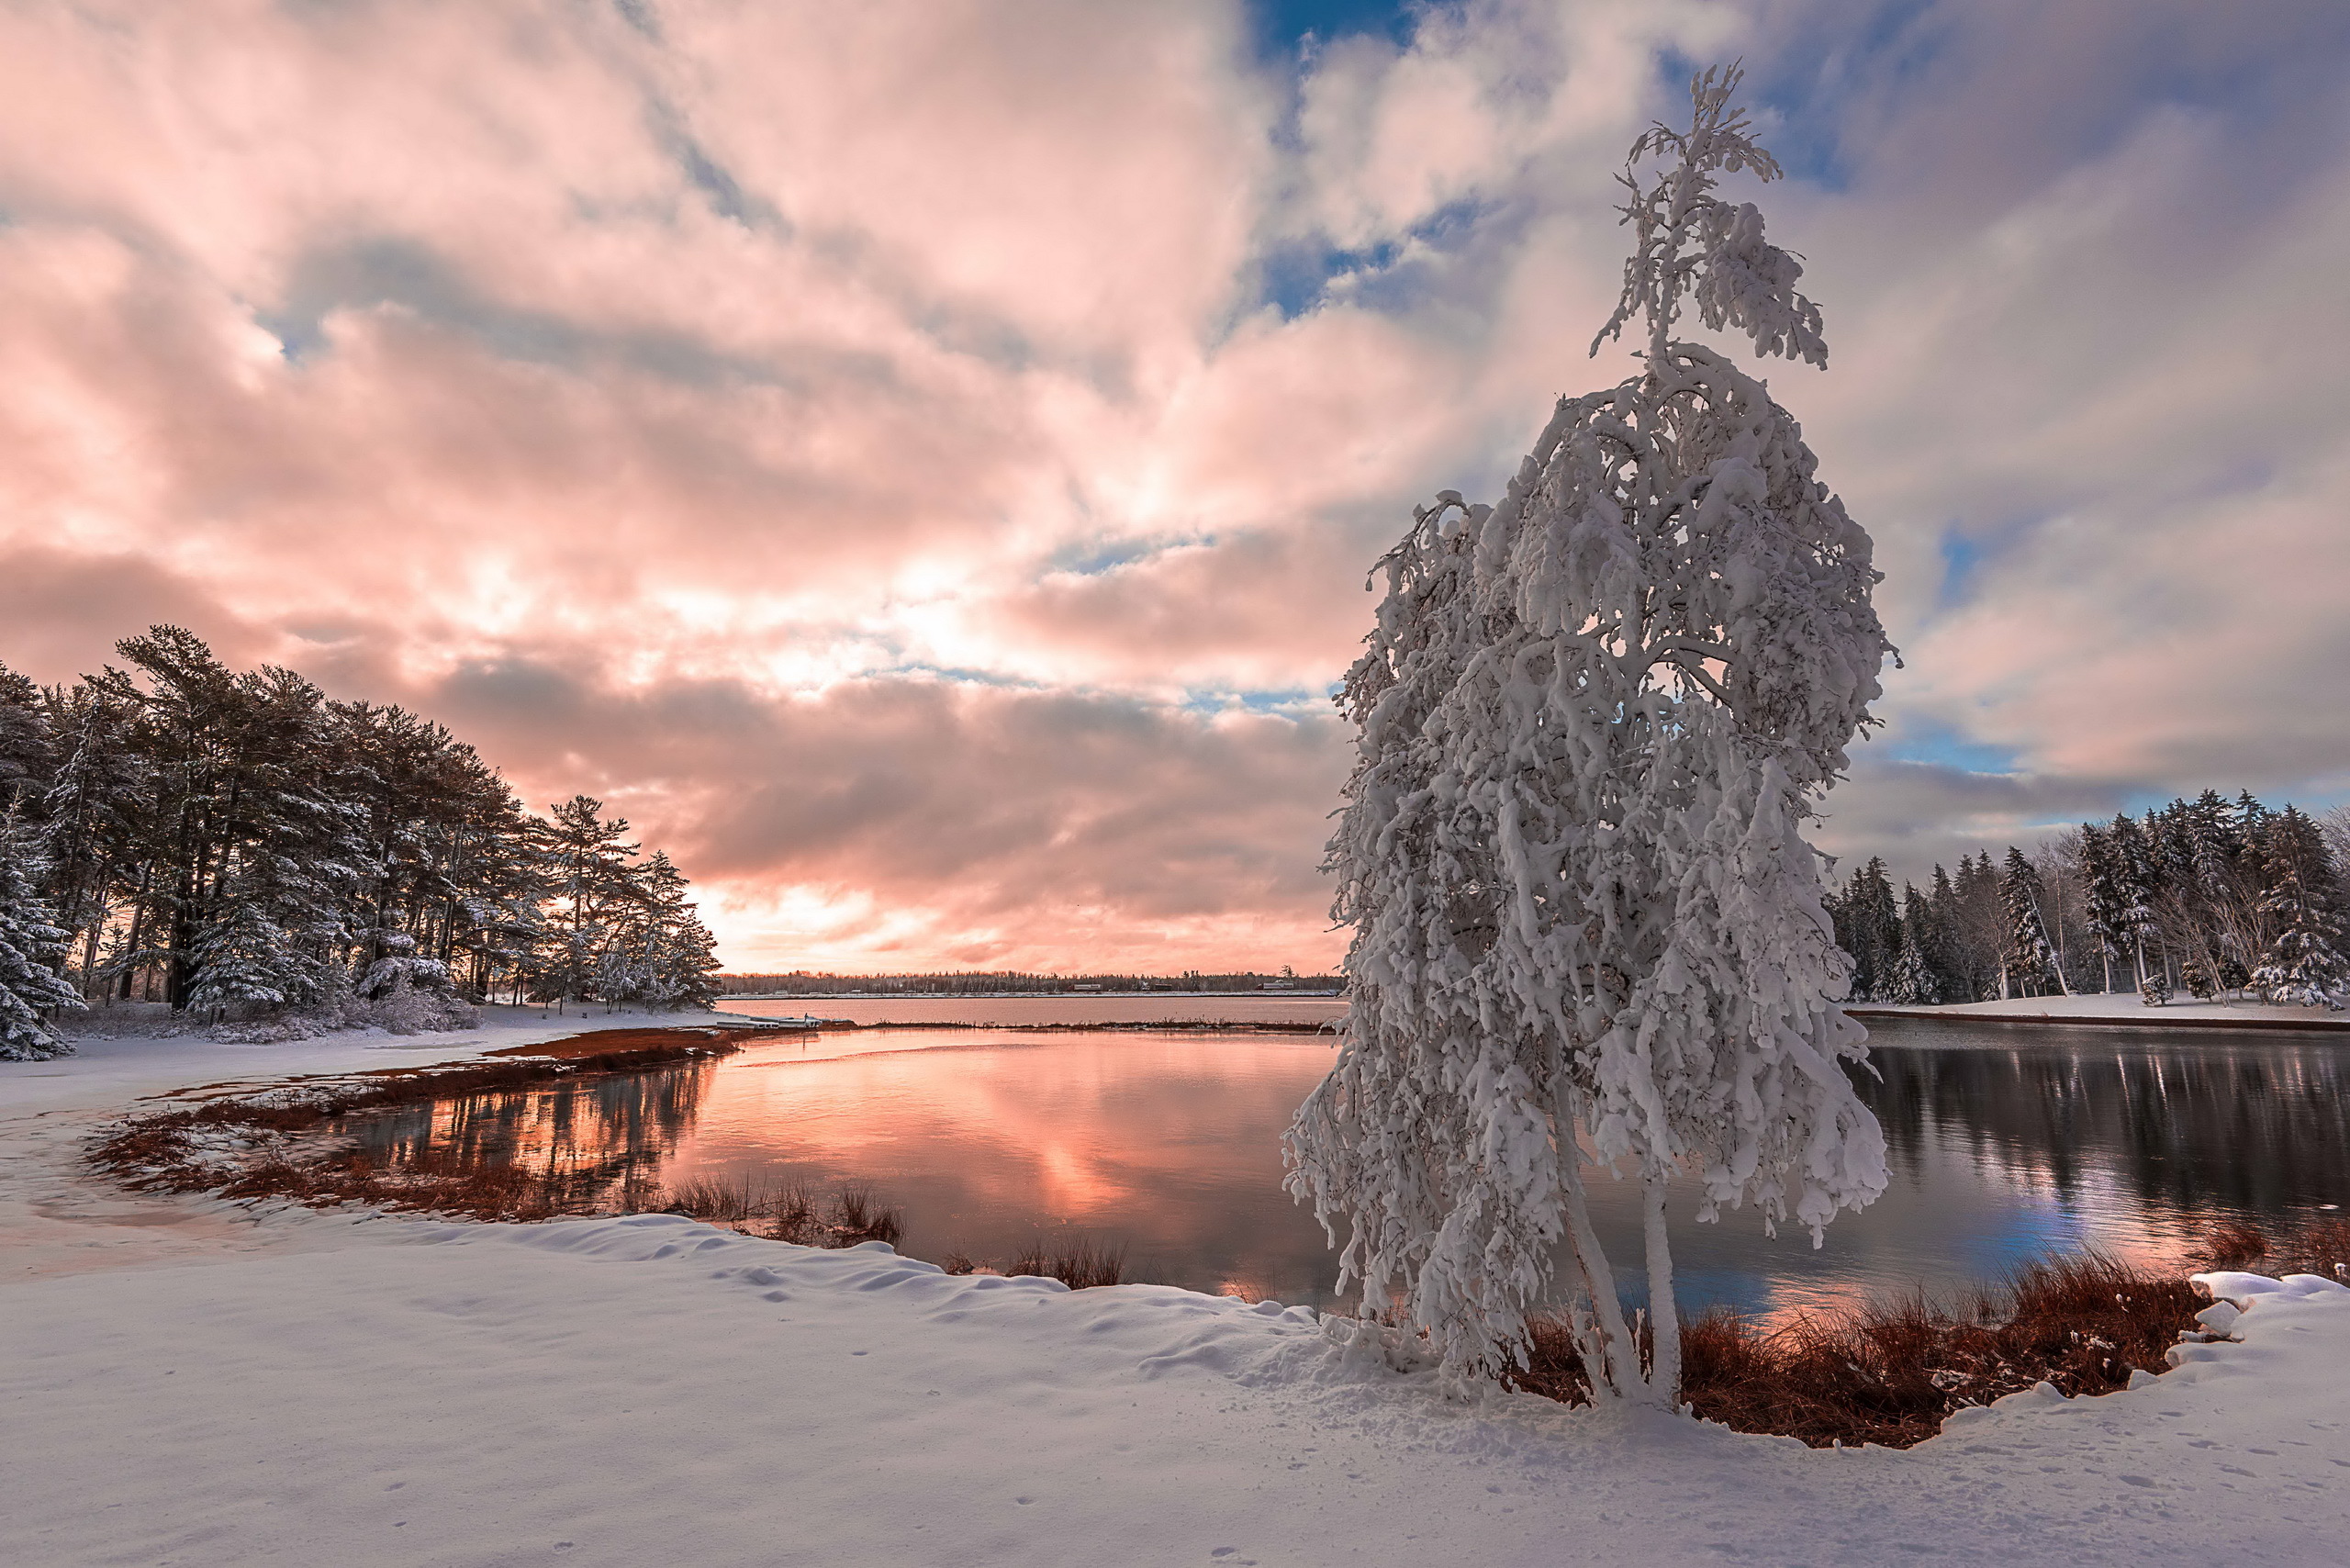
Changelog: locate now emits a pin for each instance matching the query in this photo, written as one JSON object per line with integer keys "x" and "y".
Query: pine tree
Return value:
{"x": 593, "y": 886}
{"x": 2304, "y": 962}
{"x": 26, "y": 745}
{"x": 1909, "y": 979}
{"x": 1868, "y": 929}
{"x": 93, "y": 816}
{"x": 244, "y": 964}
{"x": 2029, "y": 963}
{"x": 1594, "y": 719}
{"x": 33, "y": 985}
{"x": 1938, "y": 937}
{"x": 680, "y": 949}
{"x": 2137, "y": 883}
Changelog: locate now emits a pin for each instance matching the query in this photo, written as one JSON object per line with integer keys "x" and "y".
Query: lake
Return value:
{"x": 2007, "y": 1142}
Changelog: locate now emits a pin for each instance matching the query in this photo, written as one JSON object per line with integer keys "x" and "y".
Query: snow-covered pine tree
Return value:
{"x": 2105, "y": 899}
{"x": 1909, "y": 979}
{"x": 594, "y": 888}
{"x": 2134, "y": 871}
{"x": 2305, "y": 962}
{"x": 681, "y": 951}
{"x": 2030, "y": 962}
{"x": 33, "y": 987}
{"x": 243, "y": 963}
{"x": 1594, "y": 720}
{"x": 25, "y": 744}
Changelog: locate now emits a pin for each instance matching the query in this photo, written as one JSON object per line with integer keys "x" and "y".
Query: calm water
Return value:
{"x": 2006, "y": 1143}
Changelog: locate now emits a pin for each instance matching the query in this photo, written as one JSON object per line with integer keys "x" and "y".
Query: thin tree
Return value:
{"x": 1594, "y": 720}
{"x": 2030, "y": 960}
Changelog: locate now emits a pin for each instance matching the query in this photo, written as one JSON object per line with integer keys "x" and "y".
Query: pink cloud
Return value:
{"x": 861, "y": 441}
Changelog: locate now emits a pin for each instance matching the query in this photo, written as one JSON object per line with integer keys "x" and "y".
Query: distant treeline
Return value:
{"x": 236, "y": 844}
{"x": 2210, "y": 896}
{"x": 1008, "y": 983}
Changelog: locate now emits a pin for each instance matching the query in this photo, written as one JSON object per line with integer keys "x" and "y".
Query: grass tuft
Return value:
{"x": 1080, "y": 1264}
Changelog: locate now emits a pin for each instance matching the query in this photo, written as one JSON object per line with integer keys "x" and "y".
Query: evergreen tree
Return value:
{"x": 1910, "y": 981}
{"x": 680, "y": 950}
{"x": 243, "y": 964}
{"x": 92, "y": 814}
{"x": 2107, "y": 897}
{"x": 322, "y": 856}
{"x": 24, "y": 742}
{"x": 594, "y": 890}
{"x": 1868, "y": 927}
{"x": 2136, "y": 885}
{"x": 33, "y": 986}
{"x": 2304, "y": 962}
{"x": 2029, "y": 964}
{"x": 1938, "y": 939}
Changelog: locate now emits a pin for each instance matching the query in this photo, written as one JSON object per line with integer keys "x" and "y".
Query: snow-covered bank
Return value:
{"x": 650, "y": 1390}
{"x": 56, "y": 1216}
{"x": 2118, "y": 1008}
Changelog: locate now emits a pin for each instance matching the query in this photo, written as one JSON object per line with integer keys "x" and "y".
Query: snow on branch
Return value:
{"x": 1689, "y": 241}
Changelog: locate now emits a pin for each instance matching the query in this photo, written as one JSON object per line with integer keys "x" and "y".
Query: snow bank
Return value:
{"x": 652, "y": 1390}
{"x": 109, "y": 1070}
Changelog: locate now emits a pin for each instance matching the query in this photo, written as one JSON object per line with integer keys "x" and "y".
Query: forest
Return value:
{"x": 243, "y": 848}
{"x": 2210, "y": 896}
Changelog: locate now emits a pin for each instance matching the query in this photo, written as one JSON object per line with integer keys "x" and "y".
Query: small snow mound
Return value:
{"x": 2243, "y": 1289}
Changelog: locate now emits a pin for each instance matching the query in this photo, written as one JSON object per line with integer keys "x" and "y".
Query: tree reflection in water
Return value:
{"x": 2192, "y": 1127}
{"x": 2006, "y": 1143}
{"x": 585, "y": 1136}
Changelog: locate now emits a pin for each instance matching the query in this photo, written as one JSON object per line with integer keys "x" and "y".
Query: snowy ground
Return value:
{"x": 285, "y": 1387}
{"x": 2117, "y": 1007}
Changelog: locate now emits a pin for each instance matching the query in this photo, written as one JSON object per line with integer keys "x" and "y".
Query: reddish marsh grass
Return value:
{"x": 791, "y": 1212}
{"x": 239, "y": 1141}
{"x": 2310, "y": 1244}
{"x": 1890, "y": 1373}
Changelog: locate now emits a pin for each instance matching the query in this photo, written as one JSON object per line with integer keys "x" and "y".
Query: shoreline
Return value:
{"x": 2154, "y": 1020}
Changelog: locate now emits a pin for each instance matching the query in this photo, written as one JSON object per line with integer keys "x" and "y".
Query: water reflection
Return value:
{"x": 588, "y": 1136}
{"x": 2005, "y": 1144}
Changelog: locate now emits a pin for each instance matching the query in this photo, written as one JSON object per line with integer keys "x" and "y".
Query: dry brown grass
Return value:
{"x": 2308, "y": 1244}
{"x": 1891, "y": 1373}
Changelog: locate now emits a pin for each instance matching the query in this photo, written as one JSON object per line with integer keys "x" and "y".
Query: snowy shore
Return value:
{"x": 184, "y": 1380}
{"x": 2118, "y": 1008}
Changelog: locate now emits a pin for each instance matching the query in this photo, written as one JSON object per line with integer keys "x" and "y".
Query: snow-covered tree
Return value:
{"x": 2305, "y": 962}
{"x": 2029, "y": 966}
{"x": 1595, "y": 718}
{"x": 33, "y": 987}
{"x": 244, "y": 963}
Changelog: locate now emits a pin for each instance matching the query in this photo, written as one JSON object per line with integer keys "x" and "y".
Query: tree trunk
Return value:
{"x": 1611, "y": 1358}
{"x": 1664, "y": 1313}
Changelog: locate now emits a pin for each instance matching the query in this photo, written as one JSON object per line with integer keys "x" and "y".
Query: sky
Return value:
{"x": 919, "y": 463}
